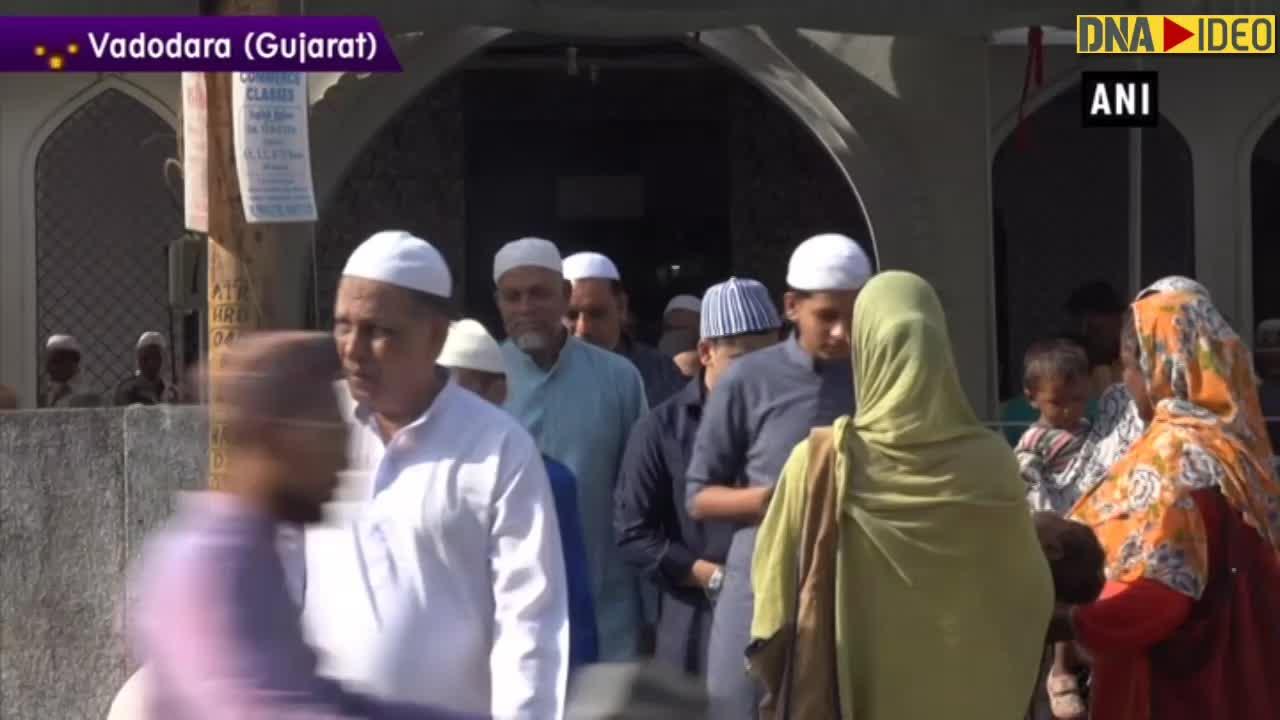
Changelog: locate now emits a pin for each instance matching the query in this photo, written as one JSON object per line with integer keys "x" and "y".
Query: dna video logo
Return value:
{"x": 1175, "y": 34}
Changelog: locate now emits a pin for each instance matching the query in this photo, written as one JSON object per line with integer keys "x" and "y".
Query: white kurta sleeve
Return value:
{"x": 529, "y": 661}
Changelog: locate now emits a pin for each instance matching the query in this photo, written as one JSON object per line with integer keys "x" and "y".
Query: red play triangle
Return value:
{"x": 1174, "y": 34}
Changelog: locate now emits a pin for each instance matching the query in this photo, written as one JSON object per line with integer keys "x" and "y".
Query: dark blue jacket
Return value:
{"x": 583, "y": 643}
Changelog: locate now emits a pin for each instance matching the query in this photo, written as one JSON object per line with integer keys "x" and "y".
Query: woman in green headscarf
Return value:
{"x": 922, "y": 592}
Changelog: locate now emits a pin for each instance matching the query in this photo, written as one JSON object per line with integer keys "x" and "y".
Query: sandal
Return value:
{"x": 1065, "y": 701}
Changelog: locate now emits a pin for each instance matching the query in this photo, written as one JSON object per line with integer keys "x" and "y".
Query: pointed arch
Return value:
{"x": 1266, "y": 122}
{"x": 100, "y": 94}
{"x": 1046, "y": 245}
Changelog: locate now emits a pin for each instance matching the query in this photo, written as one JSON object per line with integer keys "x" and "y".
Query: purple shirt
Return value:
{"x": 220, "y": 632}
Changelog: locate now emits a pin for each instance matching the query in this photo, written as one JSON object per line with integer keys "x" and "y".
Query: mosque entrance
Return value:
{"x": 617, "y": 149}
{"x": 649, "y": 151}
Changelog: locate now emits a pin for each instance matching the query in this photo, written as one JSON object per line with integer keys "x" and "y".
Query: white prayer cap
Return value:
{"x": 62, "y": 342}
{"x": 828, "y": 262}
{"x": 590, "y": 266}
{"x": 471, "y": 347}
{"x": 527, "y": 252}
{"x": 151, "y": 338}
{"x": 397, "y": 258}
{"x": 692, "y": 303}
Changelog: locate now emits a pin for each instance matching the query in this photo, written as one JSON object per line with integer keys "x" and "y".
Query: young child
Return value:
{"x": 1077, "y": 562}
{"x": 1056, "y": 383}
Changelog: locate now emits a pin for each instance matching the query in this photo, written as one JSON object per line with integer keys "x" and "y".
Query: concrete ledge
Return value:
{"x": 79, "y": 490}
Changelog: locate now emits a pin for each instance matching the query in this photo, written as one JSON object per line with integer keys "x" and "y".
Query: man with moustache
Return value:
{"x": 579, "y": 401}
{"x": 763, "y": 406}
{"x": 452, "y": 584}
{"x": 598, "y": 308}
{"x": 216, "y": 625}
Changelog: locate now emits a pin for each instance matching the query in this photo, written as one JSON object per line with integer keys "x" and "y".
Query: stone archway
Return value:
{"x": 887, "y": 110}
{"x": 102, "y": 217}
{"x": 420, "y": 150}
{"x": 1061, "y": 211}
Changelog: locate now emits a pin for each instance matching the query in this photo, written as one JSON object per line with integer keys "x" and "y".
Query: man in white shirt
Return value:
{"x": 449, "y": 584}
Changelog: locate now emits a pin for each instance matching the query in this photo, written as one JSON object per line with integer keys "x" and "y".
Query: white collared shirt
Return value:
{"x": 446, "y": 585}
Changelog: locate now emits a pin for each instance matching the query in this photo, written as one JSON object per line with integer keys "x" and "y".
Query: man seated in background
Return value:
{"x": 147, "y": 386}
{"x": 62, "y": 366}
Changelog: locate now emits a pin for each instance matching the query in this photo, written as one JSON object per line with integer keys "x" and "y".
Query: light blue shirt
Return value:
{"x": 580, "y": 412}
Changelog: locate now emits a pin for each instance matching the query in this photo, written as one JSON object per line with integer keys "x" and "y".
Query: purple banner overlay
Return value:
{"x": 195, "y": 44}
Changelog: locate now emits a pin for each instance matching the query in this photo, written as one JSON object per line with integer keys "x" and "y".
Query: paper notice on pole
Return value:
{"x": 195, "y": 153}
{"x": 273, "y": 152}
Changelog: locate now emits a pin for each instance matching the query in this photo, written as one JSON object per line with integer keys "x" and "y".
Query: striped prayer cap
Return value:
{"x": 737, "y": 306}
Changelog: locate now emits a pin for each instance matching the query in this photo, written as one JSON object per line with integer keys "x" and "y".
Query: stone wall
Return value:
{"x": 79, "y": 492}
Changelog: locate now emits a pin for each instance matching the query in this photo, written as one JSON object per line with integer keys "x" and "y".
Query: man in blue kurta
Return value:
{"x": 579, "y": 402}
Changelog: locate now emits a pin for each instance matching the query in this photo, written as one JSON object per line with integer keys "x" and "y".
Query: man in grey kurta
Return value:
{"x": 597, "y": 309}
{"x": 766, "y": 403}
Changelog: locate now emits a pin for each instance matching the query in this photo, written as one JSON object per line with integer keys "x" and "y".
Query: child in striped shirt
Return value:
{"x": 1056, "y": 382}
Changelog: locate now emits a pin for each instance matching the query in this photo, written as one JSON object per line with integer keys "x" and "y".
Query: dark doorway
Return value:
{"x": 1061, "y": 213}
{"x": 676, "y": 166}
{"x": 631, "y": 162}
{"x": 1265, "y": 184}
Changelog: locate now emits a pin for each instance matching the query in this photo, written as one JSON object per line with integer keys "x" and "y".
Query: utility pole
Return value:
{"x": 243, "y": 258}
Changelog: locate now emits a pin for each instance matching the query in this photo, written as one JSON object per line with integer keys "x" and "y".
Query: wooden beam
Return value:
{"x": 243, "y": 258}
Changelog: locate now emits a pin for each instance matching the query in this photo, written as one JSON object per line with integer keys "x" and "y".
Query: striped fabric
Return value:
{"x": 737, "y": 306}
{"x": 1045, "y": 452}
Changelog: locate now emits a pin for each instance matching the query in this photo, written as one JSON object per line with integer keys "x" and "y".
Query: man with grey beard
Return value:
{"x": 579, "y": 403}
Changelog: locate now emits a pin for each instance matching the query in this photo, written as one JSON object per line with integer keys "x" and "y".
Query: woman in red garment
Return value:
{"x": 1189, "y": 623}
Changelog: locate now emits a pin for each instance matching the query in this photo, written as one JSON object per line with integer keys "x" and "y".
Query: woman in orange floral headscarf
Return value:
{"x": 1189, "y": 623}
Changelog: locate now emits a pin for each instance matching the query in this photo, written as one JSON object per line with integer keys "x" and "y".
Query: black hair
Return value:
{"x": 1060, "y": 358}
{"x": 1095, "y": 298}
{"x": 1076, "y": 558}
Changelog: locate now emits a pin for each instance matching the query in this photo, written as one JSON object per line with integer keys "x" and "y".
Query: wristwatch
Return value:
{"x": 716, "y": 581}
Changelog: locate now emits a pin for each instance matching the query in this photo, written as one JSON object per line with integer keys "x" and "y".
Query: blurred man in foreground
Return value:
{"x": 216, "y": 625}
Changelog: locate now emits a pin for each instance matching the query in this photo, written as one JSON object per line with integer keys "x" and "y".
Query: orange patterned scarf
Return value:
{"x": 1207, "y": 431}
